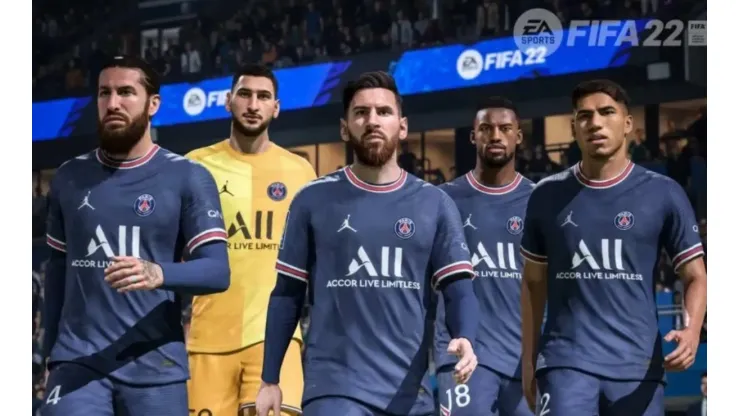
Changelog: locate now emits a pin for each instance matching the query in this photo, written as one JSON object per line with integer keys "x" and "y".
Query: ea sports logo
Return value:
{"x": 469, "y": 64}
{"x": 538, "y": 28}
{"x": 194, "y": 101}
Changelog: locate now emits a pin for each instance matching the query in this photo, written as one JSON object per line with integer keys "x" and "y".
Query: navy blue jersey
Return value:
{"x": 371, "y": 255}
{"x": 602, "y": 242}
{"x": 160, "y": 208}
{"x": 493, "y": 221}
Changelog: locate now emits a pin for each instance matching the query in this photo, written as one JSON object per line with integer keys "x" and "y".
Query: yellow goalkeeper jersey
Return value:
{"x": 255, "y": 192}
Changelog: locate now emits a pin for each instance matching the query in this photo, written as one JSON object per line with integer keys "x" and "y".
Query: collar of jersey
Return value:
{"x": 249, "y": 157}
{"x": 493, "y": 190}
{"x": 385, "y": 188}
{"x": 602, "y": 184}
{"x": 125, "y": 164}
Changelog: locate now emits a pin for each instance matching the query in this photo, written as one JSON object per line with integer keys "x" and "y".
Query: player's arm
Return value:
{"x": 453, "y": 272}
{"x": 206, "y": 266}
{"x": 55, "y": 269}
{"x": 533, "y": 296}
{"x": 684, "y": 246}
{"x": 693, "y": 273}
{"x": 286, "y": 300}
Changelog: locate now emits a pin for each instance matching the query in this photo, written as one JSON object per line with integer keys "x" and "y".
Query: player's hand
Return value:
{"x": 45, "y": 377}
{"x": 131, "y": 273}
{"x": 685, "y": 353}
{"x": 270, "y": 397}
{"x": 529, "y": 385}
{"x": 464, "y": 368}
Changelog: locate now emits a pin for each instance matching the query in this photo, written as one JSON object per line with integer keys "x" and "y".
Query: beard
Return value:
{"x": 494, "y": 161}
{"x": 122, "y": 139}
{"x": 370, "y": 154}
{"x": 248, "y": 131}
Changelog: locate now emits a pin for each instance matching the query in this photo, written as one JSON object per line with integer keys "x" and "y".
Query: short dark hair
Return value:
{"x": 497, "y": 102}
{"x": 368, "y": 80}
{"x": 150, "y": 79}
{"x": 704, "y": 374}
{"x": 603, "y": 86}
{"x": 255, "y": 70}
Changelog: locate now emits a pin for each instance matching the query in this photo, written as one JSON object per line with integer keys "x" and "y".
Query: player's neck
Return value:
{"x": 377, "y": 175}
{"x": 600, "y": 170}
{"x": 495, "y": 177}
{"x": 140, "y": 149}
{"x": 249, "y": 145}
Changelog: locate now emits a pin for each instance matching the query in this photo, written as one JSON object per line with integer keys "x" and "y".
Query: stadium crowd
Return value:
{"x": 69, "y": 47}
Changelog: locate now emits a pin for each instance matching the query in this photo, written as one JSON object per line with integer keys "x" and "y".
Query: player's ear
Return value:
{"x": 228, "y": 101}
{"x": 519, "y": 137}
{"x": 343, "y": 130}
{"x": 154, "y": 102}
{"x": 276, "y": 111}
{"x": 404, "y": 128}
{"x": 573, "y": 127}
{"x": 628, "y": 125}
{"x": 472, "y": 137}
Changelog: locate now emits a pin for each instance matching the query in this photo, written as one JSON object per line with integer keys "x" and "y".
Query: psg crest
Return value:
{"x": 144, "y": 205}
{"x": 515, "y": 225}
{"x": 624, "y": 220}
{"x": 277, "y": 191}
{"x": 405, "y": 228}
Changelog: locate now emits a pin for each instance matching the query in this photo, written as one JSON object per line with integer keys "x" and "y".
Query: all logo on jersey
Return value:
{"x": 602, "y": 262}
{"x": 381, "y": 269}
{"x": 624, "y": 220}
{"x": 405, "y": 228}
{"x": 127, "y": 242}
{"x": 515, "y": 225}
{"x": 241, "y": 236}
{"x": 277, "y": 191}
{"x": 144, "y": 205}
{"x": 503, "y": 265}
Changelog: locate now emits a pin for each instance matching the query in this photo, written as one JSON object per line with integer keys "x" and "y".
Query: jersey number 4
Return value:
{"x": 54, "y": 395}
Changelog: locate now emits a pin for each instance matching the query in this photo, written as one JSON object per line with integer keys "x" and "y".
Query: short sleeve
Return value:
{"x": 533, "y": 246}
{"x": 681, "y": 237}
{"x": 202, "y": 219}
{"x": 55, "y": 236}
{"x": 450, "y": 253}
{"x": 295, "y": 245}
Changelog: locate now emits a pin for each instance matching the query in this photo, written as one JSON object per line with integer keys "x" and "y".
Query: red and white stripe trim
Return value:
{"x": 684, "y": 256}
{"x": 534, "y": 258}
{"x": 291, "y": 271}
{"x": 603, "y": 184}
{"x": 452, "y": 269}
{"x": 56, "y": 243}
{"x": 206, "y": 236}
{"x": 493, "y": 190}
{"x": 125, "y": 164}
{"x": 389, "y": 187}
